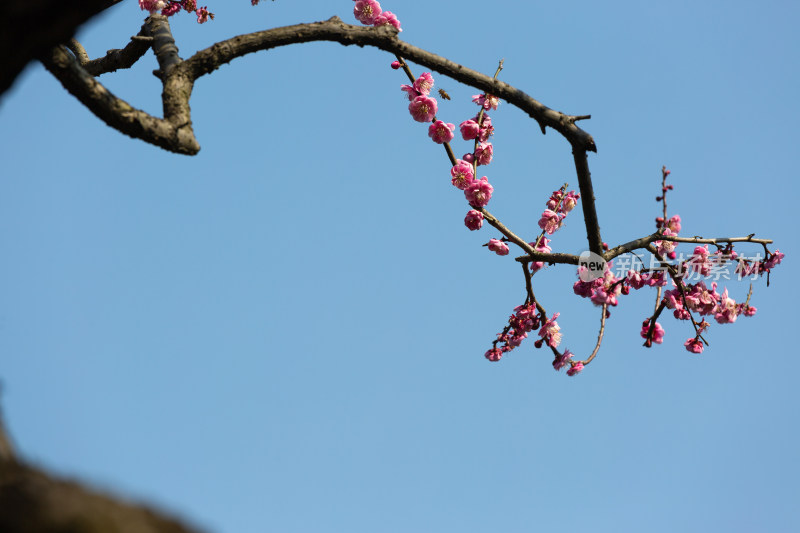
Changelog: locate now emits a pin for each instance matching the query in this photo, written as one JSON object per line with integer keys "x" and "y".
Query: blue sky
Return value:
{"x": 286, "y": 332}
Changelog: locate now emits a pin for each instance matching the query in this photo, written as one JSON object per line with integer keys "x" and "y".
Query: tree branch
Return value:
{"x": 114, "y": 59}
{"x": 174, "y": 133}
{"x": 384, "y": 38}
{"x": 644, "y": 241}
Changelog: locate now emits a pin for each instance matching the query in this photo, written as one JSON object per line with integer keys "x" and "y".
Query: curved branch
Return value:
{"x": 385, "y": 38}
{"x": 117, "y": 113}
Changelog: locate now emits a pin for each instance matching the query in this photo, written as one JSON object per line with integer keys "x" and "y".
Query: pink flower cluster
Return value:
{"x": 170, "y": 7}
{"x": 603, "y": 290}
{"x": 558, "y": 207}
{"x": 526, "y": 319}
{"x": 423, "y": 108}
{"x": 369, "y": 12}
{"x": 705, "y": 301}
{"x": 471, "y": 129}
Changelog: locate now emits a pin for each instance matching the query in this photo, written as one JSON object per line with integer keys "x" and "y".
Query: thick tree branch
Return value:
{"x": 587, "y": 199}
{"x": 173, "y": 134}
{"x": 385, "y": 38}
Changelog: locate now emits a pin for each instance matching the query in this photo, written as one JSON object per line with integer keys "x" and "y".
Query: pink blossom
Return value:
{"x": 569, "y": 202}
{"x": 575, "y": 369}
{"x": 694, "y": 345}
{"x": 423, "y": 108}
{"x": 515, "y": 340}
{"x": 526, "y": 318}
{"x": 658, "y": 332}
{"x": 562, "y": 360}
{"x": 473, "y": 220}
{"x": 657, "y": 279}
{"x": 636, "y": 280}
{"x": 410, "y": 91}
{"x": 366, "y": 11}
{"x": 462, "y": 174}
{"x": 494, "y": 354}
{"x": 469, "y": 129}
{"x": 774, "y": 260}
{"x": 674, "y": 224}
{"x": 726, "y": 310}
{"x": 483, "y": 153}
{"x": 152, "y": 5}
{"x": 665, "y": 247}
{"x": 487, "y": 101}
{"x": 747, "y": 310}
{"x": 584, "y": 289}
{"x": 396, "y": 65}
{"x": 441, "y": 132}
{"x": 699, "y": 261}
{"x": 551, "y": 332}
{"x": 190, "y": 6}
{"x": 424, "y": 83}
{"x": 699, "y": 298}
{"x": 469, "y": 158}
{"x": 171, "y": 9}
{"x": 541, "y": 247}
{"x": 550, "y": 221}
{"x": 673, "y": 299}
{"x": 387, "y": 18}
{"x": 498, "y": 247}
{"x": 203, "y": 15}
{"x": 479, "y": 192}
{"x": 606, "y": 289}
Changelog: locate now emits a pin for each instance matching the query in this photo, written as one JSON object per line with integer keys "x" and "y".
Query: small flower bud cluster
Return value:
{"x": 558, "y": 207}
{"x": 525, "y": 319}
{"x": 170, "y": 7}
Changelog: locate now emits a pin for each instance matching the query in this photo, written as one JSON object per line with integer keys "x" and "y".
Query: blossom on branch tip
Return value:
{"x": 658, "y": 332}
{"x": 774, "y": 260}
{"x": 366, "y": 11}
{"x": 479, "y": 192}
{"x": 494, "y": 354}
{"x": 203, "y": 15}
{"x": 498, "y": 247}
{"x": 441, "y": 132}
{"x": 575, "y": 368}
{"x": 423, "y": 108}
{"x": 486, "y": 101}
{"x": 473, "y": 220}
{"x": 694, "y": 345}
